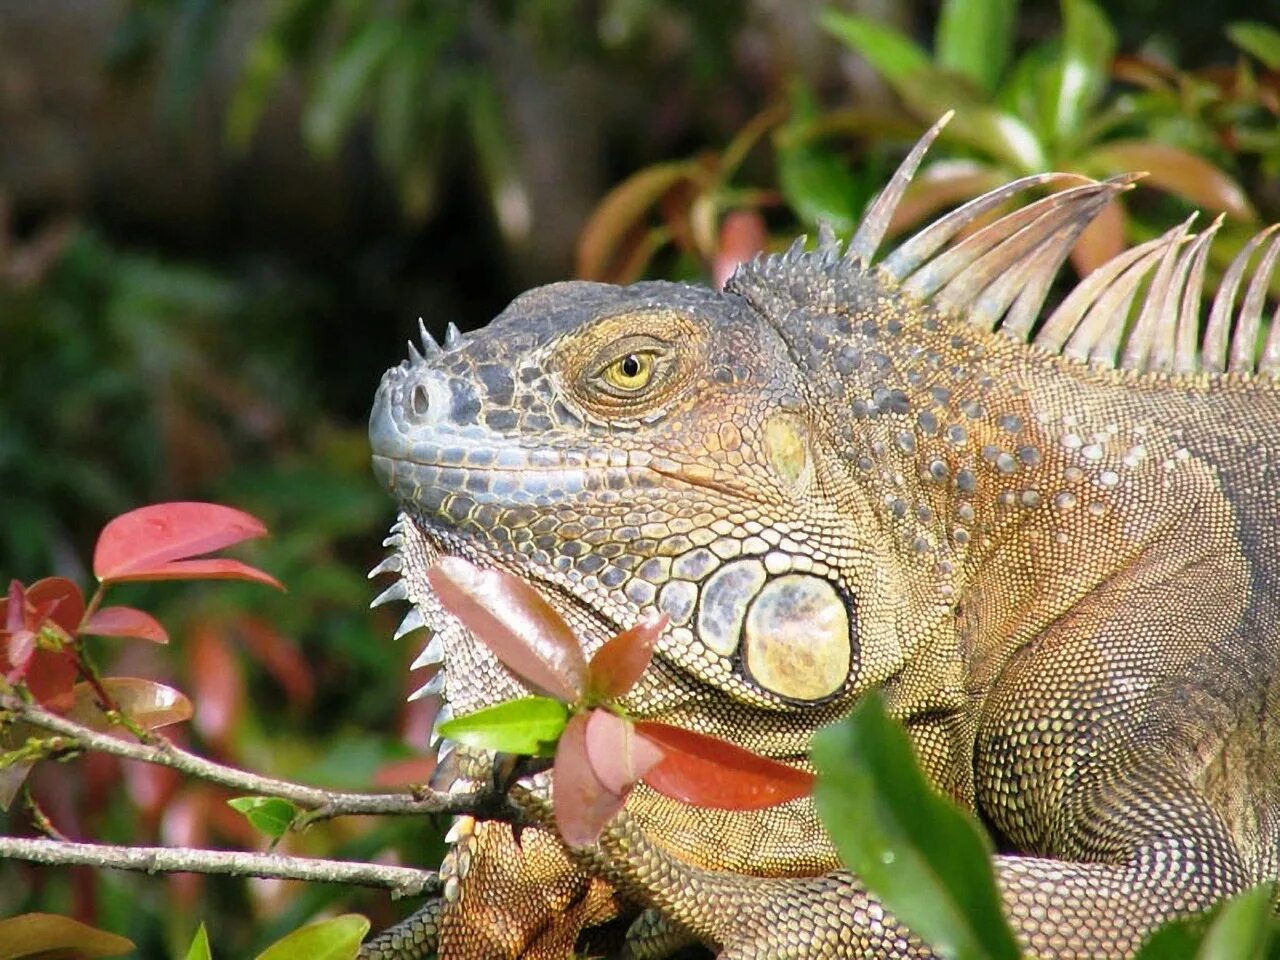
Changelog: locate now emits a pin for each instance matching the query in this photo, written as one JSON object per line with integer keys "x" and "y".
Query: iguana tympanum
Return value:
{"x": 1051, "y": 539}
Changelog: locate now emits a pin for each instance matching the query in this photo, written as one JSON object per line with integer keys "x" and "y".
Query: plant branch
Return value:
{"x": 401, "y": 881}
{"x": 322, "y": 804}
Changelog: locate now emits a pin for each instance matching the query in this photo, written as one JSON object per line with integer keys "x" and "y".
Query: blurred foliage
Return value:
{"x": 129, "y": 377}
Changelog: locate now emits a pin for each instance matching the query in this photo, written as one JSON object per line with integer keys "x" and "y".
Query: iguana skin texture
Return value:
{"x": 1052, "y": 540}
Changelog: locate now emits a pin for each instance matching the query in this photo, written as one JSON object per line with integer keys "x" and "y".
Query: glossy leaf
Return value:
{"x": 1259, "y": 39}
{"x": 924, "y": 856}
{"x": 199, "y": 949}
{"x": 975, "y": 38}
{"x": 708, "y": 772}
{"x": 583, "y": 803}
{"x": 511, "y": 619}
{"x": 125, "y": 622}
{"x": 147, "y": 703}
{"x": 618, "y": 754}
{"x": 1242, "y": 928}
{"x": 1174, "y": 170}
{"x": 335, "y": 939}
{"x": 1088, "y": 44}
{"x": 622, "y": 209}
{"x": 890, "y": 52}
{"x": 154, "y": 542}
{"x": 270, "y": 815}
{"x": 530, "y": 726}
{"x": 618, "y": 664}
{"x": 48, "y": 936}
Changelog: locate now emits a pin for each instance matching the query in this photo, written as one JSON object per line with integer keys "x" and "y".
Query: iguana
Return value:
{"x": 1049, "y": 537}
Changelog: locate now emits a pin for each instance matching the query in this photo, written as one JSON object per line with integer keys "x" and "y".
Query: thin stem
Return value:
{"x": 322, "y": 803}
{"x": 401, "y": 881}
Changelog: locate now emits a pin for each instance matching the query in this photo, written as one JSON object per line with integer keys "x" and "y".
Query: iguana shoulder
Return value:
{"x": 1049, "y": 536}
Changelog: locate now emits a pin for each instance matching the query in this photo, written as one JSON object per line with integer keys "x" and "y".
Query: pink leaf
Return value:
{"x": 125, "y": 622}
{"x": 618, "y": 664}
{"x": 583, "y": 804}
{"x": 709, "y": 772}
{"x": 154, "y": 542}
{"x": 145, "y": 702}
{"x": 511, "y": 619}
{"x": 60, "y": 600}
{"x": 618, "y": 755}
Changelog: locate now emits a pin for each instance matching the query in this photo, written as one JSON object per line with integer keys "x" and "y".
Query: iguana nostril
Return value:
{"x": 418, "y": 403}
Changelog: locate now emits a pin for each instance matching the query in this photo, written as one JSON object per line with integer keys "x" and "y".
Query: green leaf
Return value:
{"x": 336, "y": 939}
{"x": 1088, "y": 45}
{"x": 816, "y": 183}
{"x": 927, "y": 859}
{"x": 1241, "y": 928}
{"x": 341, "y": 96}
{"x": 1259, "y": 39}
{"x": 893, "y": 55}
{"x": 270, "y": 815}
{"x": 975, "y": 38}
{"x": 47, "y": 936}
{"x": 199, "y": 949}
{"x": 530, "y": 726}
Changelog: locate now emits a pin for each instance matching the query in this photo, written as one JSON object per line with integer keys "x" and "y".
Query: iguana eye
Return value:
{"x": 630, "y": 372}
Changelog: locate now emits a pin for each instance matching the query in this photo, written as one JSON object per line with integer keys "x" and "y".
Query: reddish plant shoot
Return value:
{"x": 520, "y": 627}
{"x": 616, "y": 666}
{"x": 125, "y": 622}
{"x": 157, "y": 542}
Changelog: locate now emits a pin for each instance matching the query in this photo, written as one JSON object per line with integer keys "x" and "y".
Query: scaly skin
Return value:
{"x": 1063, "y": 577}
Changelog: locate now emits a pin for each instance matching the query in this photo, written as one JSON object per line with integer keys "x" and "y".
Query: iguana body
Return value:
{"x": 1059, "y": 560}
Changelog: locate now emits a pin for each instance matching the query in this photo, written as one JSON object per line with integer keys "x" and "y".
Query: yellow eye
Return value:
{"x": 630, "y": 372}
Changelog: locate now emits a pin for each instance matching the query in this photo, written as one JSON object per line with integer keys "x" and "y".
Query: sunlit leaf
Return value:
{"x": 153, "y": 542}
{"x": 1242, "y": 928}
{"x": 1174, "y": 170}
{"x": 528, "y": 726}
{"x": 199, "y": 949}
{"x": 998, "y": 134}
{"x": 615, "y": 217}
{"x": 511, "y": 619}
{"x": 708, "y": 772}
{"x": 583, "y": 804}
{"x": 270, "y": 815}
{"x": 1088, "y": 44}
{"x": 618, "y": 754}
{"x": 892, "y": 53}
{"x": 147, "y": 703}
{"x": 335, "y": 939}
{"x": 975, "y": 38}
{"x": 125, "y": 622}
{"x": 618, "y": 664}
{"x": 48, "y": 936}
{"x": 925, "y": 857}
{"x": 1259, "y": 39}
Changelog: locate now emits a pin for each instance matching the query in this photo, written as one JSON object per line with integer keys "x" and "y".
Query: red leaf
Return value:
{"x": 152, "y": 543}
{"x": 145, "y": 702}
{"x": 619, "y": 663}
{"x": 511, "y": 619}
{"x": 742, "y": 236}
{"x": 64, "y": 600}
{"x": 21, "y": 647}
{"x": 281, "y": 657}
{"x": 583, "y": 804}
{"x": 15, "y": 608}
{"x": 50, "y": 676}
{"x": 709, "y": 772}
{"x": 125, "y": 622}
{"x": 618, "y": 755}
{"x": 217, "y": 683}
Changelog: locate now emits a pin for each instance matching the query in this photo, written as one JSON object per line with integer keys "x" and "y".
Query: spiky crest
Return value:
{"x": 997, "y": 275}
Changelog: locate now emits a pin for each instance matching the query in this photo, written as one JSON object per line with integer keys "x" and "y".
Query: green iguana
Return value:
{"x": 1051, "y": 539}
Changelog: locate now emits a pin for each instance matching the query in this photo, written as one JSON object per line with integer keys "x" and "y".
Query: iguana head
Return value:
{"x": 626, "y": 450}
{"x": 783, "y": 468}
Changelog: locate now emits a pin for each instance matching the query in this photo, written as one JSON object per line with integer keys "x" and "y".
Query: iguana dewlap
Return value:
{"x": 1051, "y": 538}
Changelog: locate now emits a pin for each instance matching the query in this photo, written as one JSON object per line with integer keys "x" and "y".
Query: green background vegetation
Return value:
{"x": 219, "y": 220}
